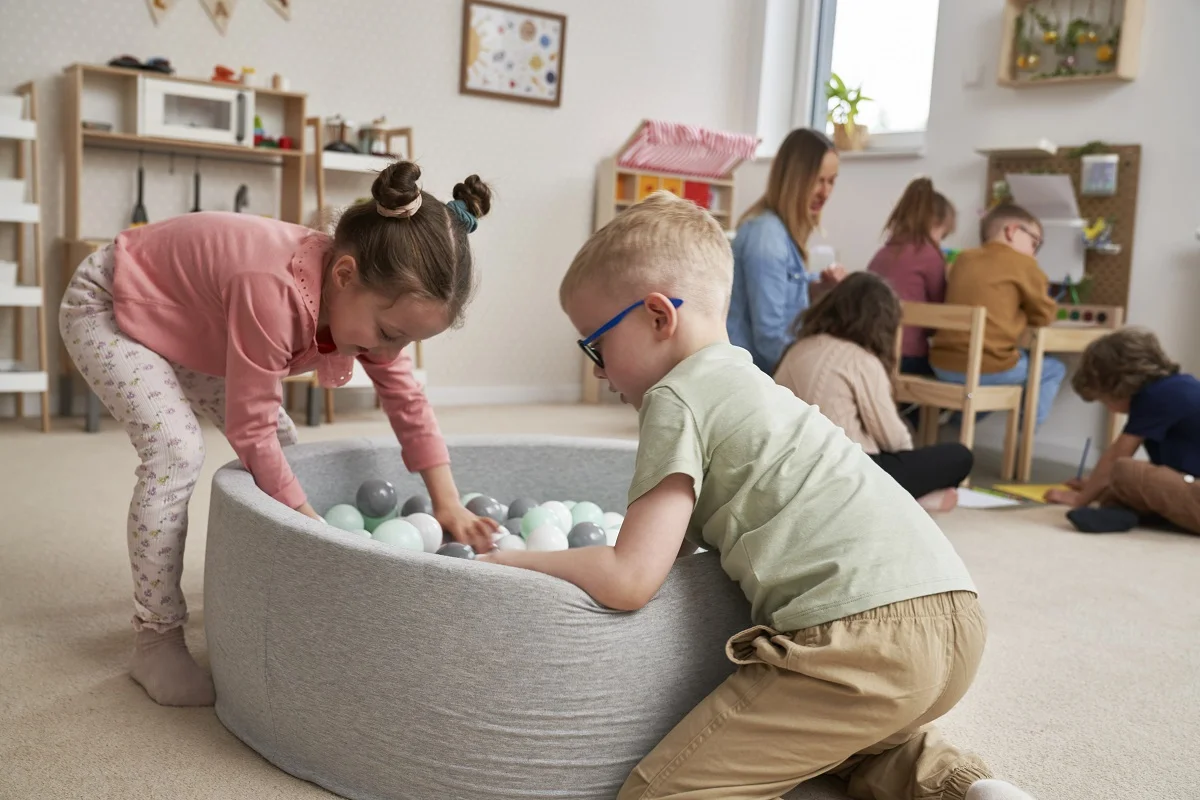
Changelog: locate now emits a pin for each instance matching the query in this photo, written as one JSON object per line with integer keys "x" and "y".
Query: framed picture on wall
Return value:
{"x": 512, "y": 53}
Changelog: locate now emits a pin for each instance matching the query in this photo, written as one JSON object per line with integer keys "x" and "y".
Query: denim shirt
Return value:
{"x": 770, "y": 287}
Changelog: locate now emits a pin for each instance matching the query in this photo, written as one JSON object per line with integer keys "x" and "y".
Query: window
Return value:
{"x": 884, "y": 46}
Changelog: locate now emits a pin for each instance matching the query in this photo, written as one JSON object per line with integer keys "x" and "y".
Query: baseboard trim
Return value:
{"x": 503, "y": 395}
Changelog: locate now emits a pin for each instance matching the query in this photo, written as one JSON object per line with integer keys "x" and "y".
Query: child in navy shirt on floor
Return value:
{"x": 1130, "y": 374}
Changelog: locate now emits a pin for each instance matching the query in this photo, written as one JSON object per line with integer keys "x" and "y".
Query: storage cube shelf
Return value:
{"x": 689, "y": 162}
{"x": 19, "y": 208}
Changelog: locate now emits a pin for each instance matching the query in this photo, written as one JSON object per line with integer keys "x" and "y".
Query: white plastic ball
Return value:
{"x": 429, "y": 528}
{"x": 399, "y": 533}
{"x": 504, "y": 509}
{"x": 611, "y": 519}
{"x": 510, "y": 542}
{"x": 561, "y": 512}
{"x": 611, "y": 535}
{"x": 570, "y": 504}
{"x": 547, "y": 537}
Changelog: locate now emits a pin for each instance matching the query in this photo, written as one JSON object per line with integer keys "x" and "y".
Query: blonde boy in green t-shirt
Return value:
{"x": 866, "y": 624}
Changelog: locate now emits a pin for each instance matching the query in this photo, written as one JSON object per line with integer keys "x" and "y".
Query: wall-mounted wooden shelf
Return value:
{"x": 154, "y": 144}
{"x": 1127, "y": 15}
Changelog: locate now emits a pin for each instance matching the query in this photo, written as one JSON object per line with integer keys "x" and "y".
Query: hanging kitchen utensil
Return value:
{"x": 196, "y": 187}
{"x": 139, "y": 216}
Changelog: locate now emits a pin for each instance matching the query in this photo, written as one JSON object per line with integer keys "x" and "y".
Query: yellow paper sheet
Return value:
{"x": 1028, "y": 491}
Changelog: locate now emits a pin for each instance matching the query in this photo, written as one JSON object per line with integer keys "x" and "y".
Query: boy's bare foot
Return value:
{"x": 939, "y": 501}
{"x": 166, "y": 670}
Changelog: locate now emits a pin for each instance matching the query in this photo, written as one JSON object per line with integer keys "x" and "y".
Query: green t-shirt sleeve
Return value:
{"x": 668, "y": 442}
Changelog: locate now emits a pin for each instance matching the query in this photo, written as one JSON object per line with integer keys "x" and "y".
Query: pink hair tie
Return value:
{"x": 402, "y": 211}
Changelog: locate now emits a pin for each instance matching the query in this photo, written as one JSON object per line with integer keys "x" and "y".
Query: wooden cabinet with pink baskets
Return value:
{"x": 688, "y": 161}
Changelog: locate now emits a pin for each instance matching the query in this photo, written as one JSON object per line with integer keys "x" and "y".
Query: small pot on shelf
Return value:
{"x": 846, "y": 137}
{"x": 338, "y": 134}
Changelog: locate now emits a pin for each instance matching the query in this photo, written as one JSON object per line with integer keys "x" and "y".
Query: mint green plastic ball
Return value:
{"x": 586, "y": 512}
{"x": 344, "y": 516}
{"x": 570, "y": 504}
{"x": 536, "y": 518}
{"x": 399, "y": 533}
{"x": 371, "y": 523}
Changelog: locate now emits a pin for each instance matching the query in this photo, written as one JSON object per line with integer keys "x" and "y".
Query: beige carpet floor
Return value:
{"x": 1090, "y": 687}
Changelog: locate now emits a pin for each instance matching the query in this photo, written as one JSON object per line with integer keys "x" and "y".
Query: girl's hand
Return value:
{"x": 1075, "y": 483}
{"x": 1066, "y": 497}
{"x": 308, "y": 511}
{"x": 465, "y": 527}
{"x": 494, "y": 557}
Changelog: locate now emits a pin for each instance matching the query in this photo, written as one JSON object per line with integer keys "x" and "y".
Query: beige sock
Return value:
{"x": 166, "y": 670}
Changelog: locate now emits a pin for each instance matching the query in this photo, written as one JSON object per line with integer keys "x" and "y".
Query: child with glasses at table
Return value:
{"x": 864, "y": 622}
{"x": 1003, "y": 276}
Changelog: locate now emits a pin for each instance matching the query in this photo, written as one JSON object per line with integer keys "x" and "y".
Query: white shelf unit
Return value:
{"x": 19, "y": 207}
{"x": 367, "y": 165}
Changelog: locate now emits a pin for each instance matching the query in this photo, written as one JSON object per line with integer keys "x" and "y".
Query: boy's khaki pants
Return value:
{"x": 1148, "y": 489}
{"x": 854, "y": 697}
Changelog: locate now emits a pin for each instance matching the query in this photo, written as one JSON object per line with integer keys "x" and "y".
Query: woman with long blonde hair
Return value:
{"x": 770, "y": 252}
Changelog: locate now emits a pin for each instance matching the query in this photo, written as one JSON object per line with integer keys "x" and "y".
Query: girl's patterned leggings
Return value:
{"x": 157, "y": 402}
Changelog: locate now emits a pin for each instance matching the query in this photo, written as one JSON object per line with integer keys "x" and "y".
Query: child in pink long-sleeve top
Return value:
{"x": 206, "y": 313}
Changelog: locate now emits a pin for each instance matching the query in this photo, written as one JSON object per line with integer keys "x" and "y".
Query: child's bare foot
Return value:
{"x": 166, "y": 670}
{"x": 992, "y": 789}
{"x": 939, "y": 501}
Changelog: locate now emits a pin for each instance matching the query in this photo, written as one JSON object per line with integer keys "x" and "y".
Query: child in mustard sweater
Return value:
{"x": 1003, "y": 276}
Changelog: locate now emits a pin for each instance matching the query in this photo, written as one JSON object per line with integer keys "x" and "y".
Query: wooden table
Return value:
{"x": 1061, "y": 337}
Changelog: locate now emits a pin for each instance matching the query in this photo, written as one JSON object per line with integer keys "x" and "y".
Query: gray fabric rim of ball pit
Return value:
{"x": 380, "y": 673}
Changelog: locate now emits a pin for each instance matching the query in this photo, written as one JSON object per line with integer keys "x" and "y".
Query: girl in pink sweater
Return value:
{"x": 912, "y": 261}
{"x": 206, "y": 313}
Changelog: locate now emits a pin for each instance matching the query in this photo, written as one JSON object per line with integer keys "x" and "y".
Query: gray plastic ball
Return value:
{"x": 417, "y": 504}
{"x": 484, "y": 506}
{"x": 586, "y": 534}
{"x": 513, "y": 526}
{"x": 520, "y": 507}
{"x": 376, "y": 498}
{"x": 457, "y": 550}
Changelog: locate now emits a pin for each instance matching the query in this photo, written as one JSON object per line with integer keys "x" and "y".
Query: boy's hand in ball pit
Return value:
{"x": 465, "y": 527}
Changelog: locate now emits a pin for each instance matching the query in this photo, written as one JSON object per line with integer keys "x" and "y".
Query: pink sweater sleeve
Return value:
{"x": 407, "y": 408}
{"x": 263, "y": 321}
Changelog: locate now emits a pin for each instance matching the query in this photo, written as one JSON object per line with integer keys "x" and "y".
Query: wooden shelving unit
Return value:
{"x": 367, "y": 165}
{"x": 1127, "y": 15}
{"x": 113, "y": 91}
{"x": 20, "y": 207}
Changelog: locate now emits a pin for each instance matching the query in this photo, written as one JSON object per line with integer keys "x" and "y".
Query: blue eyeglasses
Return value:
{"x": 588, "y": 345}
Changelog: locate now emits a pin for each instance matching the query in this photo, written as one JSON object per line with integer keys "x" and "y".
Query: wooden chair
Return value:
{"x": 970, "y": 398}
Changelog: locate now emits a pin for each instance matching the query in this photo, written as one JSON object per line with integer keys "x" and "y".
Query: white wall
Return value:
{"x": 625, "y": 60}
{"x": 1155, "y": 111}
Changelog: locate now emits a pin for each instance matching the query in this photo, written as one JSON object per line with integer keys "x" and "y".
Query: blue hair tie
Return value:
{"x": 459, "y": 209}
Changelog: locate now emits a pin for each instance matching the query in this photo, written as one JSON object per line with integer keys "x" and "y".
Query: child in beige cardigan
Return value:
{"x": 842, "y": 361}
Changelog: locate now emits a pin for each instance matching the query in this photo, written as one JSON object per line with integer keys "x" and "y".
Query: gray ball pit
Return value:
{"x": 380, "y": 673}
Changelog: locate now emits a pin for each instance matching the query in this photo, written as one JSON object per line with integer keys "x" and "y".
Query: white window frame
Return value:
{"x": 797, "y": 54}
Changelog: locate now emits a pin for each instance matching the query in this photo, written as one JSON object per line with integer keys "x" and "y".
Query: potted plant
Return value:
{"x": 847, "y": 133}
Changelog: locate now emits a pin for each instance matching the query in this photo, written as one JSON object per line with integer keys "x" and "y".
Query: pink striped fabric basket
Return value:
{"x": 686, "y": 149}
